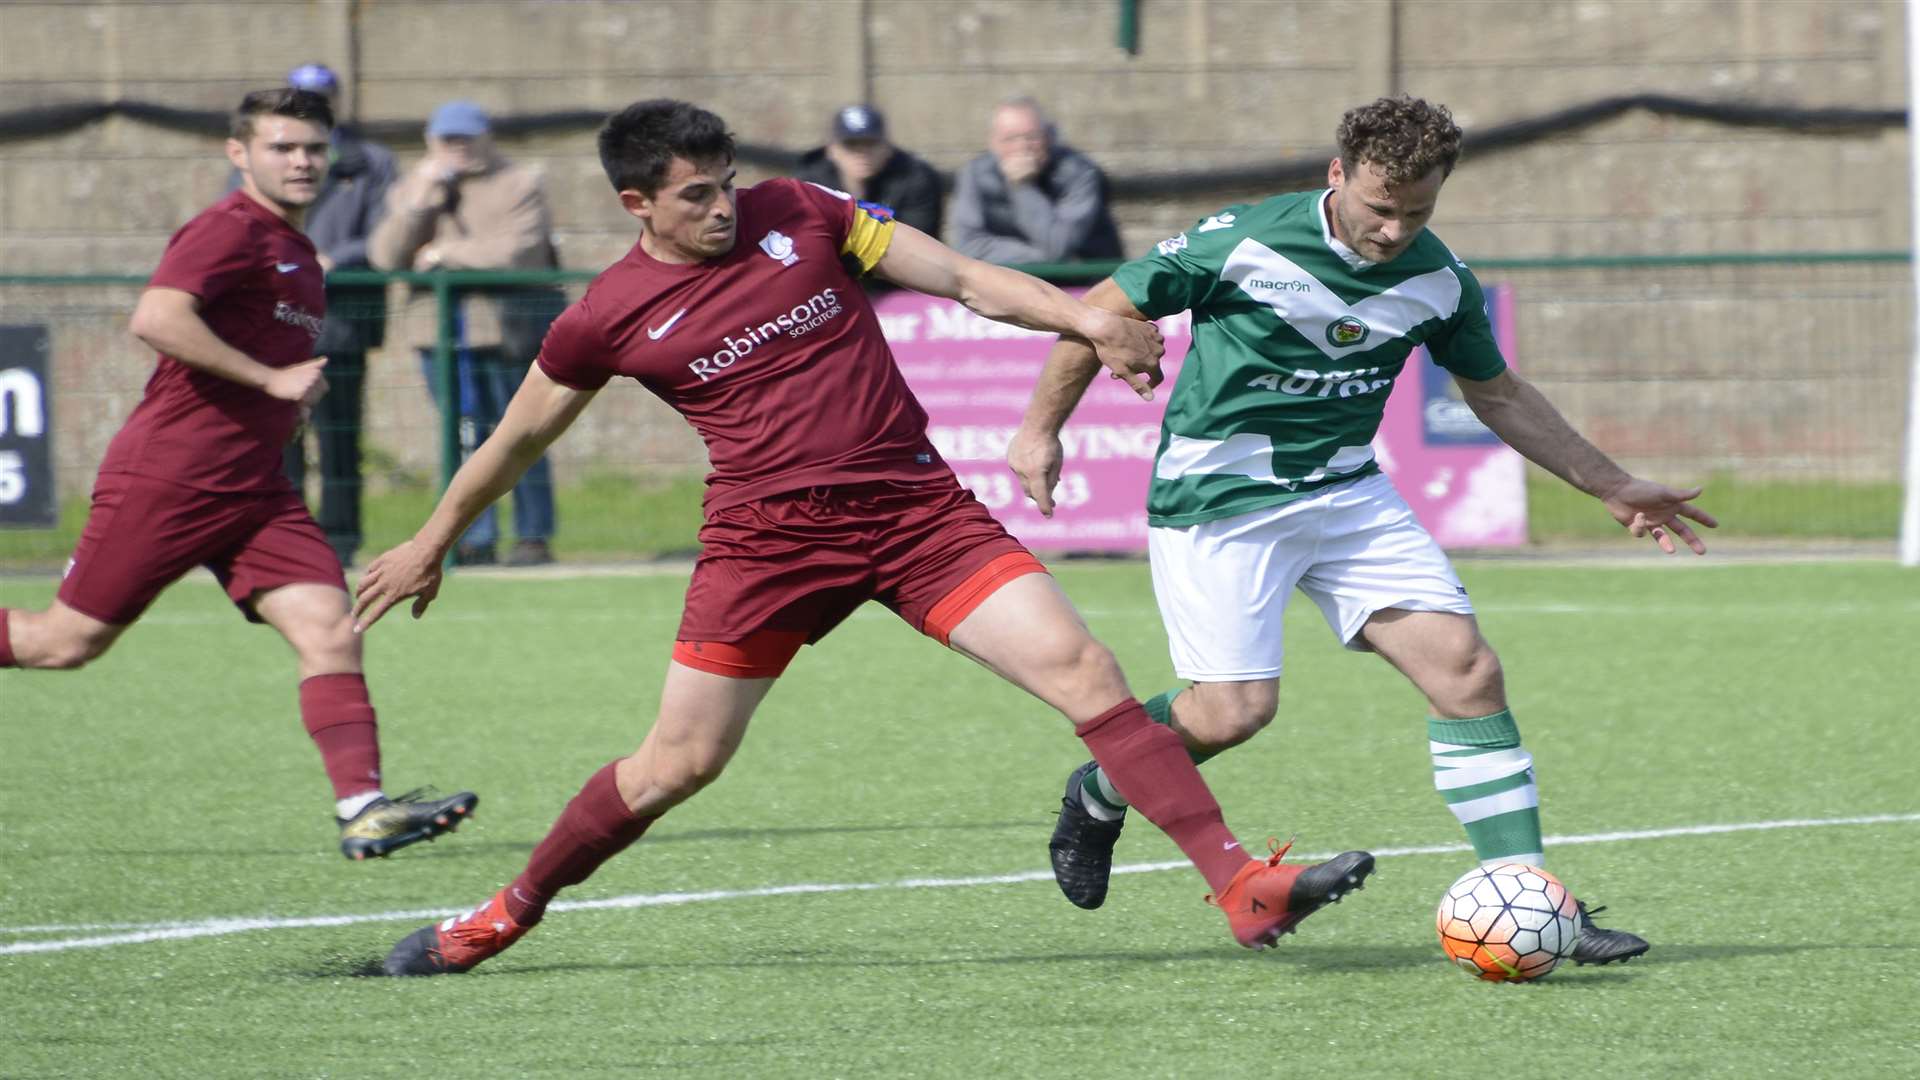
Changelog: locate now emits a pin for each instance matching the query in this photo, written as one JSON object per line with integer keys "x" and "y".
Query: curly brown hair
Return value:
{"x": 1405, "y": 137}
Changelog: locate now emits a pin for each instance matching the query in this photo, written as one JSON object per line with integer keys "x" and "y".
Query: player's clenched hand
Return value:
{"x": 301, "y": 383}
{"x": 1131, "y": 349}
{"x": 1656, "y": 510}
{"x": 1035, "y": 458}
{"x": 412, "y": 569}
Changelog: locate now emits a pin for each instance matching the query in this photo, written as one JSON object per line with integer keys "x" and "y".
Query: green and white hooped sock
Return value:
{"x": 1097, "y": 794}
{"x": 1486, "y": 776}
{"x": 1099, "y": 799}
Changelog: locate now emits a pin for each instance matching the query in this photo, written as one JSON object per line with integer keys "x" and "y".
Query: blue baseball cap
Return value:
{"x": 859, "y": 122}
{"x": 318, "y": 78}
{"x": 458, "y": 118}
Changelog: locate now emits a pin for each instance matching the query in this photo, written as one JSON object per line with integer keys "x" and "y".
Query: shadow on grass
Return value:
{"x": 457, "y": 847}
{"x": 161, "y": 853}
{"x": 1345, "y": 959}
{"x": 777, "y": 831}
{"x": 416, "y": 851}
{"x": 749, "y": 834}
{"x": 345, "y": 967}
{"x": 356, "y": 967}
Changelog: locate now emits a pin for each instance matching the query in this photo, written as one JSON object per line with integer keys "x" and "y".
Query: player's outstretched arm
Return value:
{"x": 1130, "y": 348}
{"x": 540, "y": 410}
{"x": 169, "y": 321}
{"x": 1034, "y": 453}
{"x": 1524, "y": 419}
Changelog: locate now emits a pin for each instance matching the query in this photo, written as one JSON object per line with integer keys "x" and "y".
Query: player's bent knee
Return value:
{"x": 1094, "y": 659}
{"x": 71, "y": 655}
{"x": 1248, "y": 722}
{"x": 60, "y": 639}
{"x": 1259, "y": 706}
{"x": 1473, "y": 685}
{"x": 1079, "y": 660}
{"x": 1228, "y": 714}
{"x": 1481, "y": 674}
{"x": 326, "y": 642}
{"x": 685, "y": 779}
{"x": 682, "y": 768}
{"x": 1093, "y": 671}
{"x": 78, "y": 647}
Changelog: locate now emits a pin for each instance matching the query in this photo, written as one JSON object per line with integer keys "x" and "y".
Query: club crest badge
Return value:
{"x": 779, "y": 246}
{"x": 1347, "y": 331}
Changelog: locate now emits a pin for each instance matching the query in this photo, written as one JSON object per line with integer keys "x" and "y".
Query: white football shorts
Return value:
{"x": 1354, "y": 548}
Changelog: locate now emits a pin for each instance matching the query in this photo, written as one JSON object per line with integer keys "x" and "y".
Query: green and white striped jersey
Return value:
{"x": 1296, "y": 343}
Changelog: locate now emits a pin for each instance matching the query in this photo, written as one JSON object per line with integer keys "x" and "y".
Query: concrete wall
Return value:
{"x": 1215, "y": 83}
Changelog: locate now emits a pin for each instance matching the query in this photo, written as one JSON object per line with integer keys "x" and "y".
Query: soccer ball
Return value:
{"x": 1507, "y": 923}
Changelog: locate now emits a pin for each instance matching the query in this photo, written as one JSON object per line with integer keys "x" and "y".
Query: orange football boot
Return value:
{"x": 457, "y": 944}
{"x": 1267, "y": 899}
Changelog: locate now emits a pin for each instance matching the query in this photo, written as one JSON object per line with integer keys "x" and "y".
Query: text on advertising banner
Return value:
{"x": 974, "y": 376}
{"x": 26, "y": 429}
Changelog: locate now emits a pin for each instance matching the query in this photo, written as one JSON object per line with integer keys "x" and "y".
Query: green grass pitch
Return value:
{"x": 171, "y": 783}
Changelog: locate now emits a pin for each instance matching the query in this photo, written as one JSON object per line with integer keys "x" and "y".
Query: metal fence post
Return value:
{"x": 446, "y": 384}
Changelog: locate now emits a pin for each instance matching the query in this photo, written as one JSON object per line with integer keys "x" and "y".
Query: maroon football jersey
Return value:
{"x": 262, "y": 292}
{"x": 771, "y": 351}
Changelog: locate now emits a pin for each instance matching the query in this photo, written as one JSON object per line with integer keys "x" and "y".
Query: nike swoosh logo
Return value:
{"x": 658, "y": 332}
{"x": 286, "y": 268}
{"x": 1229, "y": 845}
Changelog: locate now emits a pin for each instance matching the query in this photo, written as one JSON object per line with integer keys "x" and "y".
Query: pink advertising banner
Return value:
{"x": 974, "y": 377}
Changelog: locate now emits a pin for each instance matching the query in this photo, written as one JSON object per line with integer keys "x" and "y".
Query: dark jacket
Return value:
{"x": 339, "y": 222}
{"x": 1061, "y": 216}
{"x": 351, "y": 202}
{"x": 907, "y": 185}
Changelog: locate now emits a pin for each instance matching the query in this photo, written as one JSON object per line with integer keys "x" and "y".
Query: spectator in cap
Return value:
{"x": 466, "y": 207}
{"x": 352, "y": 198}
{"x": 860, "y": 160}
{"x": 318, "y": 78}
{"x": 1029, "y": 199}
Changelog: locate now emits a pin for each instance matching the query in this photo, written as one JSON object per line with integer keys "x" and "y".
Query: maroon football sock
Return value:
{"x": 339, "y": 716}
{"x": 593, "y": 828}
{"x": 6, "y": 641}
{"x": 1148, "y": 764}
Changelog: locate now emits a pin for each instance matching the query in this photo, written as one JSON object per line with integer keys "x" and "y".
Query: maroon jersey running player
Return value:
{"x": 194, "y": 478}
{"x": 744, "y": 312}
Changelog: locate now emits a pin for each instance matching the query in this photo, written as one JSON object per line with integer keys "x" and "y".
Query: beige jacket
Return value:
{"x": 500, "y": 221}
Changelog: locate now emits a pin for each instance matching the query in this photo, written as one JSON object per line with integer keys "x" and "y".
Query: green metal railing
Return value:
{"x": 1742, "y": 368}
{"x": 444, "y": 283}
{"x": 1082, "y": 272}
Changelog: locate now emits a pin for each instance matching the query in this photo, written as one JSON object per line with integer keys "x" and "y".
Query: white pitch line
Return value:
{"x": 138, "y": 933}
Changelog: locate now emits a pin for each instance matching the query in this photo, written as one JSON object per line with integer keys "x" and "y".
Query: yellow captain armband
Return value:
{"x": 871, "y": 233}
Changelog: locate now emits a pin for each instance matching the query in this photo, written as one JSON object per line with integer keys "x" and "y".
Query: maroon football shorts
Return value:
{"x": 142, "y": 535}
{"x": 777, "y": 572}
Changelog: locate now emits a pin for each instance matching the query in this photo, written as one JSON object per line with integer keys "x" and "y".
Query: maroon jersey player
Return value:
{"x": 194, "y": 477}
{"x": 743, "y": 311}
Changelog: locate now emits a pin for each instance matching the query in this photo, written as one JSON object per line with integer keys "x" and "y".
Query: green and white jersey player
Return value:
{"x": 1305, "y": 309}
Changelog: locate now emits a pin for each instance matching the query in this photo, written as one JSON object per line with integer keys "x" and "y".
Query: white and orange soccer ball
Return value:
{"x": 1507, "y": 923}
